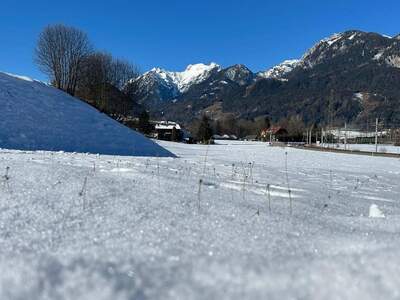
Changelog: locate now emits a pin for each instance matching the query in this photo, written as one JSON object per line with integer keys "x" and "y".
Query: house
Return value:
{"x": 168, "y": 131}
{"x": 273, "y": 134}
{"x": 251, "y": 138}
{"x": 216, "y": 137}
{"x": 224, "y": 137}
{"x": 233, "y": 137}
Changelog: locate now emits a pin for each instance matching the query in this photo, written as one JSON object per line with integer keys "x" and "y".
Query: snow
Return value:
{"x": 327, "y": 42}
{"x": 393, "y": 61}
{"x": 309, "y": 59}
{"x": 194, "y": 74}
{"x": 375, "y": 212}
{"x": 167, "y": 125}
{"x": 352, "y": 36}
{"x": 279, "y": 71}
{"x": 19, "y": 77}
{"x": 333, "y": 39}
{"x": 75, "y": 226}
{"x": 35, "y": 116}
{"x": 182, "y": 81}
{"x": 382, "y": 148}
{"x": 353, "y": 133}
{"x": 379, "y": 55}
{"x": 359, "y": 97}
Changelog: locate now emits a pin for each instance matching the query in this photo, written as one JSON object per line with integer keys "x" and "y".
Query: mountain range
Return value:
{"x": 353, "y": 76}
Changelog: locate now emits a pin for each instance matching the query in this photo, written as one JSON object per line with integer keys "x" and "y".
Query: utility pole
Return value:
{"x": 376, "y": 135}
{"x": 322, "y": 136}
{"x": 345, "y": 136}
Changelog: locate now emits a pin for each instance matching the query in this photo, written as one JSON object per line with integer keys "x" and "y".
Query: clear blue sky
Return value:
{"x": 172, "y": 34}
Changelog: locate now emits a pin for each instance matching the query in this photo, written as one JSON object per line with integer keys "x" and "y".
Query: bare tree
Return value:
{"x": 103, "y": 68}
{"x": 122, "y": 71}
{"x": 102, "y": 83}
{"x": 60, "y": 53}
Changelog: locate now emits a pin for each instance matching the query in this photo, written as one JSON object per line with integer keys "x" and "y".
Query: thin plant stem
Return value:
{"x": 288, "y": 183}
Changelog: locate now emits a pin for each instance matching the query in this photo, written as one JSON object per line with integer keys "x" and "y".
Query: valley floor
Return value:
{"x": 76, "y": 226}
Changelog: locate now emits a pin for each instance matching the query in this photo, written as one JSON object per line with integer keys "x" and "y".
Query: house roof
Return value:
{"x": 167, "y": 125}
{"x": 251, "y": 136}
{"x": 274, "y": 129}
{"x": 224, "y": 137}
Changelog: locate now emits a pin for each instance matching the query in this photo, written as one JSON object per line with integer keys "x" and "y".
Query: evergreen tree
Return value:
{"x": 267, "y": 123}
{"x": 205, "y": 131}
{"x": 218, "y": 127}
{"x": 144, "y": 125}
{"x": 174, "y": 135}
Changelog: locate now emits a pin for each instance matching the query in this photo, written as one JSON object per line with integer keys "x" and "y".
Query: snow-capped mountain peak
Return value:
{"x": 160, "y": 73}
{"x": 193, "y": 74}
{"x": 313, "y": 54}
{"x": 162, "y": 85}
{"x": 279, "y": 71}
{"x": 240, "y": 74}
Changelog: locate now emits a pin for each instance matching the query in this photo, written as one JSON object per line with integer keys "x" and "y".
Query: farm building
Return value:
{"x": 273, "y": 134}
{"x": 168, "y": 131}
{"x": 252, "y": 138}
{"x": 231, "y": 137}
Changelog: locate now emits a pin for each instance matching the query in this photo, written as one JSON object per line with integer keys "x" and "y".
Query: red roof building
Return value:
{"x": 274, "y": 133}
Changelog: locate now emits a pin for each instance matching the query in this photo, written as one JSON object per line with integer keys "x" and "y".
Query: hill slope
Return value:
{"x": 35, "y": 116}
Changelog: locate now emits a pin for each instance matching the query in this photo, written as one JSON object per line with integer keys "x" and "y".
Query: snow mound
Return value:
{"x": 35, "y": 116}
{"x": 375, "y": 212}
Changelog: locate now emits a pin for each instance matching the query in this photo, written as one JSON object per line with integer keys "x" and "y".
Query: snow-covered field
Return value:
{"x": 75, "y": 226}
{"x": 382, "y": 148}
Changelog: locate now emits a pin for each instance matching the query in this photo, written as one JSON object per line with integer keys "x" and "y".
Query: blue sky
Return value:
{"x": 172, "y": 34}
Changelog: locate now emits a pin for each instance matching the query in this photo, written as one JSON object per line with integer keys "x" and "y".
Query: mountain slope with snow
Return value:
{"x": 279, "y": 71}
{"x": 35, "y": 116}
{"x": 193, "y": 74}
{"x": 158, "y": 85}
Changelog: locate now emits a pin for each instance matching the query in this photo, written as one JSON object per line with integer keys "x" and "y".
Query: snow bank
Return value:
{"x": 34, "y": 116}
